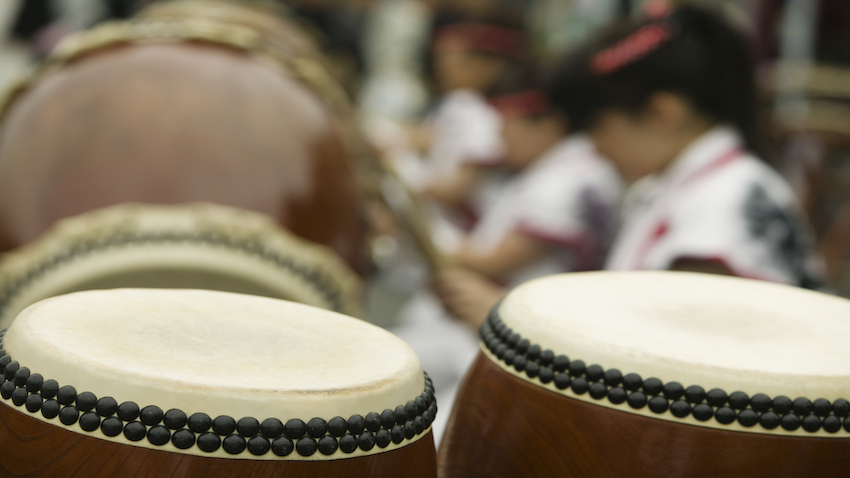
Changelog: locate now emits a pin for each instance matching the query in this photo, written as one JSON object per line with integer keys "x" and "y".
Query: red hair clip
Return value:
{"x": 632, "y": 48}
{"x": 522, "y": 103}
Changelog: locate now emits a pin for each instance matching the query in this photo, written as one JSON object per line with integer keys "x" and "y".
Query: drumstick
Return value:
{"x": 406, "y": 206}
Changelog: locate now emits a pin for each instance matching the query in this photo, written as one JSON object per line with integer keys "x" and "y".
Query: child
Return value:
{"x": 468, "y": 60}
{"x": 461, "y": 144}
{"x": 672, "y": 102}
{"x": 460, "y": 138}
{"x": 555, "y": 214}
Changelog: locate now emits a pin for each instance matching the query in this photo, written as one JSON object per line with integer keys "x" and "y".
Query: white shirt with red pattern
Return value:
{"x": 465, "y": 128}
{"x": 718, "y": 203}
{"x": 568, "y": 199}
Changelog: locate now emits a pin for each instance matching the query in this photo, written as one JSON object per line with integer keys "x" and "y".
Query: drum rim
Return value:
{"x": 246, "y": 438}
{"x": 517, "y": 356}
{"x": 254, "y": 234}
{"x": 309, "y": 71}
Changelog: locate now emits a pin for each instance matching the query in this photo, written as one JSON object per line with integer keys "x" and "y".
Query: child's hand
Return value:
{"x": 467, "y": 295}
{"x": 419, "y": 137}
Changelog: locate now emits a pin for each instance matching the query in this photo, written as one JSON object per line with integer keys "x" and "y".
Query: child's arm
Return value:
{"x": 515, "y": 251}
{"x": 467, "y": 295}
{"x": 452, "y": 191}
{"x": 419, "y": 137}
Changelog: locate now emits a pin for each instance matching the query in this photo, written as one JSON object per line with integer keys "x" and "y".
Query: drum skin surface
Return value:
{"x": 212, "y": 354}
{"x": 29, "y": 447}
{"x": 502, "y": 426}
{"x": 173, "y": 123}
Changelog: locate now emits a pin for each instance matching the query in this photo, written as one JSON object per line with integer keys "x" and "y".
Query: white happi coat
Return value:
{"x": 716, "y": 202}
{"x": 465, "y": 128}
{"x": 568, "y": 198}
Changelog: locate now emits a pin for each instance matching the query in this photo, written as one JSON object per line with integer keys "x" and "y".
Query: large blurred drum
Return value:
{"x": 141, "y": 382}
{"x": 174, "y": 110}
{"x": 192, "y": 246}
{"x": 656, "y": 374}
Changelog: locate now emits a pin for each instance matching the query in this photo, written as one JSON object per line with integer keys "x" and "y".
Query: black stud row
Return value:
{"x": 36, "y": 394}
{"x": 311, "y": 276}
{"x": 547, "y": 367}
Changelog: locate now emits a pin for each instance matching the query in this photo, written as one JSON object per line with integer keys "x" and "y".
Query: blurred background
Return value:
{"x": 379, "y": 50}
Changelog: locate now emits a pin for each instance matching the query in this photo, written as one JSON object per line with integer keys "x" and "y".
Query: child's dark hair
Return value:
{"x": 527, "y": 84}
{"x": 691, "y": 52}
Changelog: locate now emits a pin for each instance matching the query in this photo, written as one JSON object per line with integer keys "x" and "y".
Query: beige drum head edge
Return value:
{"x": 198, "y": 245}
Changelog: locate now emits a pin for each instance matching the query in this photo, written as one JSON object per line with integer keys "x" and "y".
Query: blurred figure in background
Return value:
{"x": 671, "y": 101}
{"x": 461, "y": 145}
{"x": 556, "y": 213}
{"x": 460, "y": 138}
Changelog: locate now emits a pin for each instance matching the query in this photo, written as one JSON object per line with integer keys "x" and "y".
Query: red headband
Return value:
{"x": 484, "y": 37}
{"x": 632, "y": 48}
{"x": 522, "y": 103}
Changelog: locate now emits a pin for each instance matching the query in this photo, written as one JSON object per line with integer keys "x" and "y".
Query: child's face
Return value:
{"x": 525, "y": 138}
{"x": 458, "y": 67}
{"x": 628, "y": 141}
{"x": 643, "y": 143}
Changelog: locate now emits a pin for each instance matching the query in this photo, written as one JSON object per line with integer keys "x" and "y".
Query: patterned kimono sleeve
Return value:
{"x": 577, "y": 213}
{"x": 748, "y": 221}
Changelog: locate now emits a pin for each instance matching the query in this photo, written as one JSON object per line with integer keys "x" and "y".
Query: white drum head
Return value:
{"x": 245, "y": 358}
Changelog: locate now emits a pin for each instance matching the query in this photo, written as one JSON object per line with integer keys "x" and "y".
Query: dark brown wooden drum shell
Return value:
{"x": 502, "y": 426}
{"x": 30, "y": 447}
{"x": 173, "y": 123}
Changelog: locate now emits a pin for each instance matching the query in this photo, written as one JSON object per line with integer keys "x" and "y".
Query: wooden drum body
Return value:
{"x": 170, "y": 112}
{"x": 137, "y": 383}
{"x": 667, "y": 374}
{"x": 36, "y": 449}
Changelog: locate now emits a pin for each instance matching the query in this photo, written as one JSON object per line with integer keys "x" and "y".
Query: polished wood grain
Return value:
{"x": 502, "y": 426}
{"x": 32, "y": 448}
{"x": 177, "y": 123}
